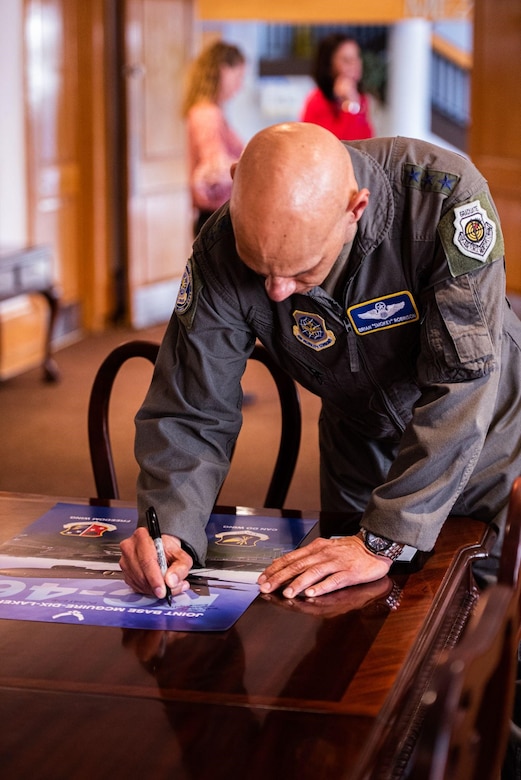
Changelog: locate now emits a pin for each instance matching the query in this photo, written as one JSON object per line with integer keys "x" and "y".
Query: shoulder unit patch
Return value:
{"x": 474, "y": 232}
{"x": 186, "y": 291}
{"x": 189, "y": 289}
{"x": 471, "y": 235}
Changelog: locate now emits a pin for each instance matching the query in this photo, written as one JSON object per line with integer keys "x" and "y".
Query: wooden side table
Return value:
{"x": 28, "y": 270}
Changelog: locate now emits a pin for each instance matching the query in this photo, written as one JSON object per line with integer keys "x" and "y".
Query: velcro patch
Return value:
{"x": 428, "y": 179}
{"x": 186, "y": 291}
{"x": 311, "y": 330}
{"x": 189, "y": 288}
{"x": 471, "y": 235}
{"x": 389, "y": 311}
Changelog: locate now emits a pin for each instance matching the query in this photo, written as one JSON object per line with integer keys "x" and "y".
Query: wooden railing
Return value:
{"x": 450, "y": 92}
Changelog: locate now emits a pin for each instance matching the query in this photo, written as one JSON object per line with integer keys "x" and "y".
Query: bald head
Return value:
{"x": 295, "y": 203}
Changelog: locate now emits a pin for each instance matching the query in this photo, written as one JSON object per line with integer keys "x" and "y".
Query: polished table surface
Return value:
{"x": 324, "y": 690}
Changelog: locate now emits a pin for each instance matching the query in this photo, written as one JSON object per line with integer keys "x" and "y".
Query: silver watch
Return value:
{"x": 380, "y": 545}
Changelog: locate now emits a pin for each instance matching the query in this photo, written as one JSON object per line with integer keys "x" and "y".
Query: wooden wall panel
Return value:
{"x": 158, "y": 46}
{"x": 494, "y": 139}
{"x": 67, "y": 152}
{"x": 54, "y": 181}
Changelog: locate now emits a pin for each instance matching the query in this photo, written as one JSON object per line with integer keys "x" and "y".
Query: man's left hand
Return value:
{"x": 323, "y": 566}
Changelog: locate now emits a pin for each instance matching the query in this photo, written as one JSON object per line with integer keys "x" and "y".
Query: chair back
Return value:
{"x": 100, "y": 447}
{"x": 469, "y": 703}
{"x": 510, "y": 561}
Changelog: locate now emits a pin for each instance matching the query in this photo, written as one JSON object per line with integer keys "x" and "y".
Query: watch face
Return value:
{"x": 377, "y": 543}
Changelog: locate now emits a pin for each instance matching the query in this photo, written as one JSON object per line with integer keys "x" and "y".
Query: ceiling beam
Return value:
{"x": 332, "y": 11}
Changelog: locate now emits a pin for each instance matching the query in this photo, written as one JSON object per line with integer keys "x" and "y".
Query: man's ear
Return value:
{"x": 358, "y": 203}
{"x": 233, "y": 168}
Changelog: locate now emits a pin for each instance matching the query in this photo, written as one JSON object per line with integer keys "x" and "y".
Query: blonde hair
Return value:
{"x": 205, "y": 73}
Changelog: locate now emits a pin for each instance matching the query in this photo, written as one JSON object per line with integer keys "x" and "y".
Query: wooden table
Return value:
{"x": 25, "y": 270}
{"x": 293, "y": 690}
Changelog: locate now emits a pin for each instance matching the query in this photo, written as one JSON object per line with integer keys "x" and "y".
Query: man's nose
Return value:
{"x": 280, "y": 287}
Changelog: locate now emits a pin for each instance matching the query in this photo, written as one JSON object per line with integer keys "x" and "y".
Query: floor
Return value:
{"x": 44, "y": 445}
{"x": 44, "y": 429}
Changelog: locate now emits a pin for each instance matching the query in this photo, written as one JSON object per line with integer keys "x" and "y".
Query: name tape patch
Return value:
{"x": 389, "y": 311}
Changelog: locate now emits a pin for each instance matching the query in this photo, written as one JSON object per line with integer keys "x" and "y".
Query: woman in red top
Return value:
{"x": 337, "y": 103}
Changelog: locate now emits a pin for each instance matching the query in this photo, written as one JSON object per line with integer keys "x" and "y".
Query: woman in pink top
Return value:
{"x": 337, "y": 103}
{"x": 216, "y": 75}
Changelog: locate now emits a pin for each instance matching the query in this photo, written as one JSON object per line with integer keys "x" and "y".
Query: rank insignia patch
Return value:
{"x": 428, "y": 179}
{"x": 382, "y": 313}
{"x": 311, "y": 330}
{"x": 474, "y": 232}
{"x": 186, "y": 291}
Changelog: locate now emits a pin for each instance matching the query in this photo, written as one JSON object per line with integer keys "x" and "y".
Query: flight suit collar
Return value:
{"x": 375, "y": 223}
{"x": 377, "y": 219}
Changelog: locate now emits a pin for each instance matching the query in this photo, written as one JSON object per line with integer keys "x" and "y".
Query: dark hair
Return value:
{"x": 325, "y": 52}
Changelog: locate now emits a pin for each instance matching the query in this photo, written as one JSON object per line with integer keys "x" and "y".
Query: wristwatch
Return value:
{"x": 350, "y": 106}
{"x": 380, "y": 545}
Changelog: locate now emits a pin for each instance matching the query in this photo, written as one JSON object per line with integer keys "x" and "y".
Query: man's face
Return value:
{"x": 292, "y": 261}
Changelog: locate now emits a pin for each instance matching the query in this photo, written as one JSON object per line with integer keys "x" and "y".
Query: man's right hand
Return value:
{"x": 141, "y": 570}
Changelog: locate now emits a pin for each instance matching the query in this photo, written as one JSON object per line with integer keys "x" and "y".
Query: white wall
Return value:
{"x": 269, "y": 100}
{"x": 13, "y": 215}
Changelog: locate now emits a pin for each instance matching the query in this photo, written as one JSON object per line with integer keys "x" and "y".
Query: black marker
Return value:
{"x": 155, "y": 533}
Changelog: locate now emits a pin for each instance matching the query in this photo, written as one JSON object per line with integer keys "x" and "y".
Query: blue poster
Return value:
{"x": 64, "y": 568}
{"x": 207, "y": 606}
{"x": 240, "y": 546}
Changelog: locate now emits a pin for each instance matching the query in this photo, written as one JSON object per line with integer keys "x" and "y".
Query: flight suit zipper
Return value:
{"x": 388, "y": 405}
{"x": 356, "y": 354}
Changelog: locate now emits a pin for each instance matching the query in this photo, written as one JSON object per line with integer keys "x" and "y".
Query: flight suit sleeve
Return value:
{"x": 458, "y": 373}
{"x": 191, "y": 416}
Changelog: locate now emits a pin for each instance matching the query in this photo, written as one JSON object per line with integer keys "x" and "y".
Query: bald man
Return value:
{"x": 373, "y": 272}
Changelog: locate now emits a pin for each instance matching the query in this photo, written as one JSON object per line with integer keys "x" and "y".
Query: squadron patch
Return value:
{"x": 471, "y": 235}
{"x": 186, "y": 291}
{"x": 310, "y": 329}
{"x": 389, "y": 311}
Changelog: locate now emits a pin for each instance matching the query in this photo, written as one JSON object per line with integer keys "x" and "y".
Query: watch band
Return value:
{"x": 380, "y": 545}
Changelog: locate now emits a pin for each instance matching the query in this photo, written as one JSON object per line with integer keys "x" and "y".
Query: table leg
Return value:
{"x": 50, "y": 367}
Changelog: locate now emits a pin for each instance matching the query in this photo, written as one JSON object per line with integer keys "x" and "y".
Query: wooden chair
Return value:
{"x": 98, "y": 420}
{"x": 510, "y": 562}
{"x": 468, "y": 705}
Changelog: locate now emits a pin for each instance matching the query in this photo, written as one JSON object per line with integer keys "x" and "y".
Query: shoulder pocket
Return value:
{"x": 457, "y": 334}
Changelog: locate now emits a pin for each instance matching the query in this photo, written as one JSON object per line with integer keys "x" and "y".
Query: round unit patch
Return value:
{"x": 186, "y": 291}
{"x": 475, "y": 232}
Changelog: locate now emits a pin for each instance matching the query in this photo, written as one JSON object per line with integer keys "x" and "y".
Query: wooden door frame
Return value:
{"x": 95, "y": 251}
